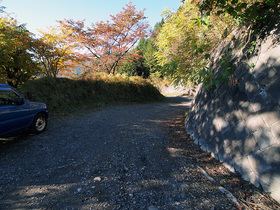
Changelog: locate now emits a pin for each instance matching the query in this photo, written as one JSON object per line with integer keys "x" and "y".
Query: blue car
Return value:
{"x": 17, "y": 113}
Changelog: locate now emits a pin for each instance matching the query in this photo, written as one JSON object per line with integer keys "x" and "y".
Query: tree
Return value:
{"x": 147, "y": 62}
{"x": 54, "y": 53}
{"x": 186, "y": 40}
{"x": 110, "y": 43}
{"x": 261, "y": 15}
{"x": 16, "y": 60}
{"x": 157, "y": 29}
{"x": 147, "y": 50}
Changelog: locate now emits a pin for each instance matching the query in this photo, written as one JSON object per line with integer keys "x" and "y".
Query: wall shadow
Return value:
{"x": 239, "y": 121}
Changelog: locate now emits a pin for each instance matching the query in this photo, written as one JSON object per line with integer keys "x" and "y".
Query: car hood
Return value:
{"x": 37, "y": 105}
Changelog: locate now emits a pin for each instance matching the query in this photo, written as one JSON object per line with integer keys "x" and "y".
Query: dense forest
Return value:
{"x": 178, "y": 47}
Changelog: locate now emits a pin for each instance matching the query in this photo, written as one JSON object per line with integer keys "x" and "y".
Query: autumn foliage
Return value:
{"x": 109, "y": 44}
{"x": 59, "y": 51}
{"x": 179, "y": 47}
{"x": 54, "y": 53}
{"x": 186, "y": 40}
{"x": 17, "y": 63}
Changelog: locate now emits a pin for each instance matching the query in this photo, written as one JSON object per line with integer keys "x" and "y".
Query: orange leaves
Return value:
{"x": 110, "y": 42}
{"x": 56, "y": 52}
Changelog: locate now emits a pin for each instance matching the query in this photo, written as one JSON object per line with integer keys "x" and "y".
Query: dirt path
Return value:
{"x": 126, "y": 157}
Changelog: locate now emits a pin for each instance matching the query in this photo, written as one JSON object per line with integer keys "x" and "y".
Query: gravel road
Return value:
{"x": 116, "y": 158}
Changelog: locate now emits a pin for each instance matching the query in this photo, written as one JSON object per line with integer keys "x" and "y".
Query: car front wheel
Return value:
{"x": 39, "y": 123}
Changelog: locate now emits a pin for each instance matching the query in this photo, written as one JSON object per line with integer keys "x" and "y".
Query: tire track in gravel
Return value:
{"x": 117, "y": 158}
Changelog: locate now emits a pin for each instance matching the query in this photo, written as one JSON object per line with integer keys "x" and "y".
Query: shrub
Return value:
{"x": 66, "y": 95}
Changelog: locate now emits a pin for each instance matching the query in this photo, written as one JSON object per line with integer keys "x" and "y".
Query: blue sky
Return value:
{"x": 38, "y": 14}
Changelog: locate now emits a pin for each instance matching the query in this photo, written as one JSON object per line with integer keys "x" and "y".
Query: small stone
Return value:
{"x": 206, "y": 202}
{"x": 97, "y": 179}
{"x": 152, "y": 208}
{"x": 79, "y": 189}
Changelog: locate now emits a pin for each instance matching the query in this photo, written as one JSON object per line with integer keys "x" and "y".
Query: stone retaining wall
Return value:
{"x": 239, "y": 122}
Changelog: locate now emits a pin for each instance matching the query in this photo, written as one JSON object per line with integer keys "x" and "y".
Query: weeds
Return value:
{"x": 64, "y": 95}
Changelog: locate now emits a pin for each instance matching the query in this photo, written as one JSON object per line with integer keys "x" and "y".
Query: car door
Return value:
{"x": 15, "y": 112}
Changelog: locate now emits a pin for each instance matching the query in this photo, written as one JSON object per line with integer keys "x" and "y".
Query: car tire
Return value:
{"x": 39, "y": 124}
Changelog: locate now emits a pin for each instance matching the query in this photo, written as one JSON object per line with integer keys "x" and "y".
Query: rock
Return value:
{"x": 152, "y": 208}
{"x": 97, "y": 179}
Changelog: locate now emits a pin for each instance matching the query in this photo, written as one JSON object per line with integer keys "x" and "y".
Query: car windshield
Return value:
{"x": 9, "y": 97}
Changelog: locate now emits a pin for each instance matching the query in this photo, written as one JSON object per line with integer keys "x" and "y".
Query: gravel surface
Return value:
{"x": 126, "y": 157}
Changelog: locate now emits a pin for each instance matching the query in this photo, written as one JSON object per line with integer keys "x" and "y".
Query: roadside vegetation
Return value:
{"x": 177, "y": 51}
{"x": 65, "y": 96}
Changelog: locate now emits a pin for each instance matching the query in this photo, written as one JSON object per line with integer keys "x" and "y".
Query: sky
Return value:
{"x": 37, "y": 14}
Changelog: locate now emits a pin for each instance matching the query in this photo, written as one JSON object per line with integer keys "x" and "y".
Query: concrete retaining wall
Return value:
{"x": 239, "y": 122}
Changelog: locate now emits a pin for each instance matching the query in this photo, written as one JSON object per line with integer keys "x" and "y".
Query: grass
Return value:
{"x": 65, "y": 96}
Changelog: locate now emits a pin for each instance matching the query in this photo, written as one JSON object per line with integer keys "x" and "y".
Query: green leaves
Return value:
{"x": 209, "y": 80}
{"x": 207, "y": 56}
{"x": 187, "y": 38}
{"x": 252, "y": 47}
{"x": 271, "y": 3}
{"x": 257, "y": 13}
{"x": 240, "y": 6}
{"x": 225, "y": 63}
{"x": 17, "y": 63}
{"x": 206, "y": 77}
{"x": 234, "y": 2}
